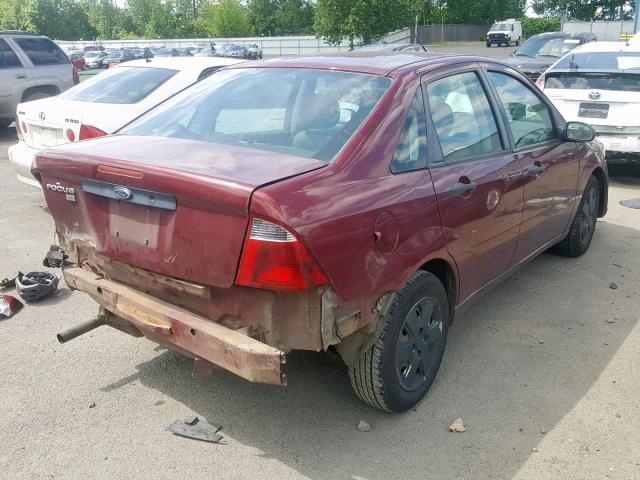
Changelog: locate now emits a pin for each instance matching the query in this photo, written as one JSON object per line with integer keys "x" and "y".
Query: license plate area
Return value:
{"x": 45, "y": 136}
{"x": 593, "y": 110}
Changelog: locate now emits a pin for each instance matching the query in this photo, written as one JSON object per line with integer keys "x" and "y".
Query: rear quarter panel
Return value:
{"x": 334, "y": 210}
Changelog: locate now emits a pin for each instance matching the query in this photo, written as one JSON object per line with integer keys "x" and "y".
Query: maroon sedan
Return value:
{"x": 353, "y": 202}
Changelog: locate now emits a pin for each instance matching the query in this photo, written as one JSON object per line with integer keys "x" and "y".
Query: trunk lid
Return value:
{"x": 188, "y": 209}
{"x": 597, "y": 98}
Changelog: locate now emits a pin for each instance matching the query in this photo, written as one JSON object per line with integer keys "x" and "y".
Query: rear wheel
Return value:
{"x": 584, "y": 224}
{"x": 396, "y": 372}
{"x": 518, "y": 42}
{"x": 488, "y": 44}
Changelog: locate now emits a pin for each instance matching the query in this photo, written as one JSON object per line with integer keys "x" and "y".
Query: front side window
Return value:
{"x": 121, "y": 85}
{"x": 8, "y": 58}
{"x": 42, "y": 51}
{"x": 411, "y": 151}
{"x": 462, "y": 117}
{"x": 529, "y": 117}
{"x": 305, "y": 112}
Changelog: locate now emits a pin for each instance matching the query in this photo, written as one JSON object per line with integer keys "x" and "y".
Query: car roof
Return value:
{"x": 181, "y": 63}
{"x": 363, "y": 61}
{"x": 607, "y": 47}
{"x": 19, "y": 33}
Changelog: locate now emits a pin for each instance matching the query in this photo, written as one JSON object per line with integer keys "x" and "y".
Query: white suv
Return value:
{"x": 31, "y": 67}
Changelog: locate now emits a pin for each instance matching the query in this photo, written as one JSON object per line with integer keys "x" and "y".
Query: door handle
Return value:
{"x": 460, "y": 188}
{"x": 21, "y": 75}
{"x": 536, "y": 169}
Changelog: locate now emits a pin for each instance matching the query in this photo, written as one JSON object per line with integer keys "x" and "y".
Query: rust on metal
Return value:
{"x": 183, "y": 330}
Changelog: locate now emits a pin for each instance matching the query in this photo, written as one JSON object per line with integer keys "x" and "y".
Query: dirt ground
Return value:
{"x": 544, "y": 373}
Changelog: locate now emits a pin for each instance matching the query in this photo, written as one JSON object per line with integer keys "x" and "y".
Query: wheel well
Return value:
{"x": 441, "y": 269}
{"x": 602, "y": 182}
{"x": 48, "y": 89}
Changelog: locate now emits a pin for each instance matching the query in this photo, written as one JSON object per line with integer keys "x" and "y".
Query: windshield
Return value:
{"x": 115, "y": 54}
{"x": 610, "y": 61}
{"x": 310, "y": 113}
{"x": 164, "y": 53}
{"x": 90, "y": 54}
{"x": 500, "y": 27}
{"x": 547, "y": 47}
{"x": 122, "y": 85}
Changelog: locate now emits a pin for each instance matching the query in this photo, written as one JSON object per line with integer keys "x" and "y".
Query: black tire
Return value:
{"x": 488, "y": 44}
{"x": 415, "y": 328}
{"x": 518, "y": 42}
{"x": 580, "y": 234}
{"x": 5, "y": 123}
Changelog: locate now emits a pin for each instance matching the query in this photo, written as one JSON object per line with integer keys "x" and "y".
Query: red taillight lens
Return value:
{"x": 70, "y": 135}
{"x": 540, "y": 82}
{"x": 22, "y": 126}
{"x": 273, "y": 259}
{"x": 87, "y": 132}
{"x": 76, "y": 76}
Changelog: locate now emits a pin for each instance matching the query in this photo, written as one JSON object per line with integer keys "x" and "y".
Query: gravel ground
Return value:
{"x": 543, "y": 371}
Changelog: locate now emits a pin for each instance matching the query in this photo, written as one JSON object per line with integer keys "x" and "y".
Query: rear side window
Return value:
{"x": 411, "y": 151}
{"x": 8, "y": 58}
{"x": 42, "y": 51}
{"x": 462, "y": 117}
{"x": 626, "y": 82}
{"x": 121, "y": 85}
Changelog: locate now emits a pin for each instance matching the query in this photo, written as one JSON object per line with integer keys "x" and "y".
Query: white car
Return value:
{"x": 599, "y": 83}
{"x": 102, "y": 104}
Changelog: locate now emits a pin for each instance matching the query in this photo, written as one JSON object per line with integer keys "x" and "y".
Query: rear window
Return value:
{"x": 547, "y": 47}
{"x": 625, "y": 82}
{"x": 310, "y": 113}
{"x": 610, "y": 61}
{"x": 122, "y": 85}
{"x": 8, "y": 58}
{"x": 42, "y": 51}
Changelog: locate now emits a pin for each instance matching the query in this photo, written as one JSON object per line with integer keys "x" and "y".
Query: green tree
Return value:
{"x": 229, "y": 18}
{"x": 262, "y": 16}
{"x": 367, "y": 19}
{"x": 294, "y": 17}
{"x": 585, "y": 9}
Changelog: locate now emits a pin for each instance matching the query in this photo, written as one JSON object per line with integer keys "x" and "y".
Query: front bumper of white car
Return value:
{"x": 21, "y": 157}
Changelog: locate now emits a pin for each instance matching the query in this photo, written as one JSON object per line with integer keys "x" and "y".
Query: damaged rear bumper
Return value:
{"x": 182, "y": 330}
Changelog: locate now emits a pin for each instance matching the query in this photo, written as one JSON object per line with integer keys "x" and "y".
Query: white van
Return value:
{"x": 505, "y": 32}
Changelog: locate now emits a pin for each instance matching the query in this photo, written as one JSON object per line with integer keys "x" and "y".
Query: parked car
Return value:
{"x": 505, "y": 32}
{"x": 235, "y": 51}
{"x": 394, "y": 47}
{"x": 117, "y": 56}
{"x": 102, "y": 104}
{"x": 77, "y": 60}
{"x": 209, "y": 51}
{"x": 166, "y": 52}
{"x": 93, "y": 48}
{"x": 253, "y": 50}
{"x": 31, "y": 67}
{"x": 324, "y": 215}
{"x": 540, "y": 51}
{"x": 599, "y": 83}
{"x": 95, "y": 59}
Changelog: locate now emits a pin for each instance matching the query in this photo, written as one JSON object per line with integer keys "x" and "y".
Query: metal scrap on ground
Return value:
{"x": 9, "y": 306}
{"x": 193, "y": 427}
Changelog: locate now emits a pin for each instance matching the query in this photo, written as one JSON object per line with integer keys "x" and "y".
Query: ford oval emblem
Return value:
{"x": 122, "y": 193}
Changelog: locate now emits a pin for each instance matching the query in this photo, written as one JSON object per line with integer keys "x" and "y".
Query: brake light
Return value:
{"x": 70, "y": 135}
{"x": 22, "y": 127}
{"x": 87, "y": 132}
{"x": 274, "y": 259}
{"x": 76, "y": 76}
{"x": 540, "y": 82}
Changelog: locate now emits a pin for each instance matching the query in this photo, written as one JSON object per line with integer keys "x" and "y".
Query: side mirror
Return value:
{"x": 579, "y": 132}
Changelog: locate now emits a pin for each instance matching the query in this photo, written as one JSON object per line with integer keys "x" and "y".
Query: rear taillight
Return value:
{"x": 274, "y": 259}
{"x": 70, "y": 135}
{"x": 76, "y": 76}
{"x": 19, "y": 130}
{"x": 87, "y": 132}
{"x": 540, "y": 82}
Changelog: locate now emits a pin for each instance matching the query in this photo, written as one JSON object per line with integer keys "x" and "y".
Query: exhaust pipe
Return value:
{"x": 81, "y": 329}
